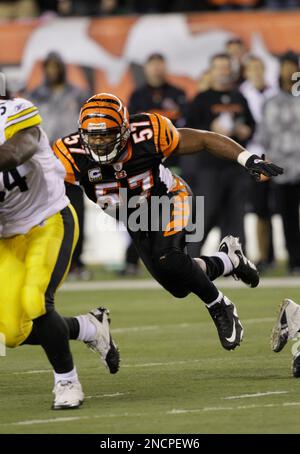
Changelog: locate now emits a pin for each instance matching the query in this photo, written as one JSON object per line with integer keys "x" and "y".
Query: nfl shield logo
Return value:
{"x": 95, "y": 175}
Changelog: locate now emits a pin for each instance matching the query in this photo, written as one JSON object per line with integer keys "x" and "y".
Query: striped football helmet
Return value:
{"x": 104, "y": 127}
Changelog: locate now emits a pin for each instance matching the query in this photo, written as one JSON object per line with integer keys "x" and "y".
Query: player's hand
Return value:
{"x": 259, "y": 168}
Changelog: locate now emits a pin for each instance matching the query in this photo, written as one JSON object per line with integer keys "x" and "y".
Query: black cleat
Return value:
{"x": 225, "y": 317}
{"x": 103, "y": 343}
{"x": 243, "y": 268}
{"x": 296, "y": 366}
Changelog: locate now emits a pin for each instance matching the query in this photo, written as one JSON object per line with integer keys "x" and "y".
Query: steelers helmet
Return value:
{"x": 104, "y": 127}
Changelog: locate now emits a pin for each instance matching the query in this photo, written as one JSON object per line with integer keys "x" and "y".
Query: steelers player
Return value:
{"x": 287, "y": 327}
{"x": 111, "y": 152}
{"x": 38, "y": 228}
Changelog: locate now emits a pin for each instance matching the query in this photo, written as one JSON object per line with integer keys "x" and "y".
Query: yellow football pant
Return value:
{"x": 32, "y": 267}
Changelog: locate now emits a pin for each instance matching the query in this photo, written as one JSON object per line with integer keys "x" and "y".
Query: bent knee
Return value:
{"x": 173, "y": 262}
{"x": 14, "y": 333}
{"x": 33, "y": 301}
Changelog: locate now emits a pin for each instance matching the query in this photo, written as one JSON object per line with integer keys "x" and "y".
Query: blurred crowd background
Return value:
{"x": 243, "y": 90}
{"x": 34, "y": 8}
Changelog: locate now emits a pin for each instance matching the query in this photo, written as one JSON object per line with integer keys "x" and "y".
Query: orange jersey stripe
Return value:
{"x": 166, "y": 136}
{"x": 66, "y": 159}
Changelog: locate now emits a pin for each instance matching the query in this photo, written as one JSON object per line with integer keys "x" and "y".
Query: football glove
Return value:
{"x": 257, "y": 167}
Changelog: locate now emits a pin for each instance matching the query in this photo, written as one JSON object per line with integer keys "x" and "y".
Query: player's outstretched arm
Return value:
{"x": 19, "y": 148}
{"x": 193, "y": 141}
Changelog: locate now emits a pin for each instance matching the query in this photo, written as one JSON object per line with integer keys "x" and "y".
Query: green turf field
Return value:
{"x": 175, "y": 376}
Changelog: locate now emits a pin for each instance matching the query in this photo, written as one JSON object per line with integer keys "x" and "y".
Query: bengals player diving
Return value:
{"x": 112, "y": 151}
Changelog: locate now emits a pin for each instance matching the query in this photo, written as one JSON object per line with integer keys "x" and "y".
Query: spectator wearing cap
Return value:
{"x": 155, "y": 95}
{"x": 280, "y": 136}
{"x": 59, "y": 103}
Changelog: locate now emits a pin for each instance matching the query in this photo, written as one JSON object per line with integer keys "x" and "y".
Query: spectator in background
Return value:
{"x": 224, "y": 110}
{"x": 59, "y": 103}
{"x": 159, "y": 96}
{"x": 280, "y": 135}
{"x": 280, "y": 4}
{"x": 256, "y": 91}
{"x": 204, "y": 81}
{"x": 237, "y": 51}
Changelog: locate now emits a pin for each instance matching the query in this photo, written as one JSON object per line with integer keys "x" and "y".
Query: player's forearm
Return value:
{"x": 193, "y": 141}
{"x": 222, "y": 146}
{"x": 8, "y": 157}
{"x": 18, "y": 149}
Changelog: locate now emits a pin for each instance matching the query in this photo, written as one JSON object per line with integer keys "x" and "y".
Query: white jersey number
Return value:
{"x": 12, "y": 179}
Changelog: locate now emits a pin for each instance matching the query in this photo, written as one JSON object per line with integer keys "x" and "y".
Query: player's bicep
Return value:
{"x": 191, "y": 141}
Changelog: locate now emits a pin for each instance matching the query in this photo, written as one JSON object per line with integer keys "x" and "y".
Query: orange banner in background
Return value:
{"x": 110, "y": 47}
{"x": 279, "y": 30}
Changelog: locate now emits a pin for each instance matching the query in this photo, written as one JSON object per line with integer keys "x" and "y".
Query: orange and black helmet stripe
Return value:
{"x": 104, "y": 108}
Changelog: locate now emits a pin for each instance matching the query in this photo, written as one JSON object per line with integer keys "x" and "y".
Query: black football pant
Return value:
{"x": 166, "y": 259}
{"x": 75, "y": 194}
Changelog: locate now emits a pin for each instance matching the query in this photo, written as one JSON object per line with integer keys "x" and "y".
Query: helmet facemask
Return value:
{"x": 105, "y": 145}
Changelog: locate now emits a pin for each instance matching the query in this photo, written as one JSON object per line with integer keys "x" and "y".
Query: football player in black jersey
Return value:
{"x": 112, "y": 152}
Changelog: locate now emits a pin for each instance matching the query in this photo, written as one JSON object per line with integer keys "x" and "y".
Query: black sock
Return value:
{"x": 73, "y": 325}
{"x": 52, "y": 333}
{"x": 214, "y": 266}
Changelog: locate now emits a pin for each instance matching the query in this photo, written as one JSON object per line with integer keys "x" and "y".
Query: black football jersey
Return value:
{"x": 140, "y": 169}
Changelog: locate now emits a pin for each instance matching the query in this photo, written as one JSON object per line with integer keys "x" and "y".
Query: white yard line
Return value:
{"x": 178, "y": 411}
{"x": 100, "y": 396}
{"x": 124, "y": 366}
{"x": 245, "y": 396}
{"x": 149, "y": 284}
{"x": 135, "y": 329}
{"x": 174, "y": 412}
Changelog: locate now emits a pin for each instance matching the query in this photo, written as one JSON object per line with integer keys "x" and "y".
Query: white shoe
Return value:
{"x": 103, "y": 343}
{"x": 287, "y": 324}
{"x": 243, "y": 268}
{"x": 68, "y": 395}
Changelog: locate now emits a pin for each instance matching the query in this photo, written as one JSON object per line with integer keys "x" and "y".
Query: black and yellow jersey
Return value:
{"x": 140, "y": 169}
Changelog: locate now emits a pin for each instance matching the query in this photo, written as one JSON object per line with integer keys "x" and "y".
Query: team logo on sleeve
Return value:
{"x": 95, "y": 175}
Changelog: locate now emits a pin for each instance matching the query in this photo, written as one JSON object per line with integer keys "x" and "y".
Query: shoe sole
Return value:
{"x": 112, "y": 360}
{"x": 276, "y": 345}
{"x": 67, "y": 407}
